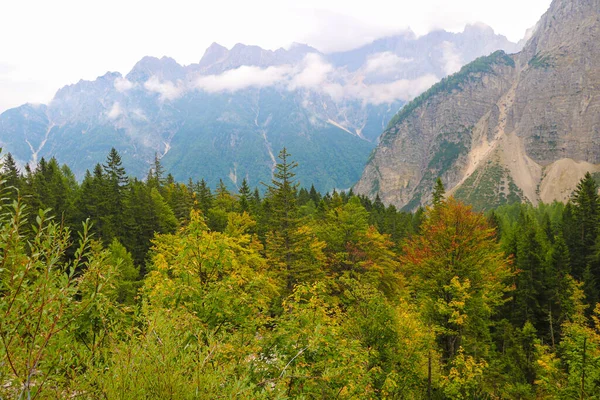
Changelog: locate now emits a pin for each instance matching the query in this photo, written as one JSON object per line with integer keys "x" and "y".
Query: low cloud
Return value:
{"x": 115, "y": 111}
{"x": 123, "y": 85}
{"x": 167, "y": 89}
{"x": 242, "y": 78}
{"x": 403, "y": 89}
{"x": 451, "y": 58}
{"x": 313, "y": 73}
{"x": 385, "y": 63}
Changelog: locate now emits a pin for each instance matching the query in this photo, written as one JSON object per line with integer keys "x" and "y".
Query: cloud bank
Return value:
{"x": 385, "y": 63}
{"x": 242, "y": 78}
{"x": 313, "y": 73}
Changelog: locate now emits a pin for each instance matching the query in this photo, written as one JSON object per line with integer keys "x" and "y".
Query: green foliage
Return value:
{"x": 489, "y": 187}
{"x": 458, "y": 275}
{"x": 540, "y": 61}
{"x": 129, "y": 275}
{"x": 179, "y": 293}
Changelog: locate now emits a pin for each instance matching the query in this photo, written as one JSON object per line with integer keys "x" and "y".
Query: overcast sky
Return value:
{"x": 46, "y": 44}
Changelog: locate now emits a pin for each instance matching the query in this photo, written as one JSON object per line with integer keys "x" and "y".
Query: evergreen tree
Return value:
{"x": 438, "y": 192}
{"x": 205, "y": 197}
{"x": 156, "y": 174}
{"x": 292, "y": 249}
{"x": 11, "y": 175}
{"x": 586, "y": 215}
{"x": 314, "y": 195}
{"x": 115, "y": 173}
{"x": 114, "y": 179}
{"x": 244, "y": 197}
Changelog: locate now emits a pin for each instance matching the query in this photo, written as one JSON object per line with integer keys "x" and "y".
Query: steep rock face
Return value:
{"x": 432, "y": 136}
{"x": 505, "y": 128}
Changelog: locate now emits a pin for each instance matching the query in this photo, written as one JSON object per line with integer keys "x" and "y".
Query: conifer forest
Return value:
{"x": 118, "y": 288}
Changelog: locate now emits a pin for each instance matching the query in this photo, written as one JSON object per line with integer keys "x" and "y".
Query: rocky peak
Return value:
{"x": 214, "y": 54}
{"x": 218, "y": 59}
{"x": 84, "y": 88}
{"x": 565, "y": 22}
{"x": 164, "y": 68}
{"x": 478, "y": 28}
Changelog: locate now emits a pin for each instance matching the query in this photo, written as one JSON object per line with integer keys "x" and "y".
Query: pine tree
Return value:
{"x": 113, "y": 168}
{"x": 586, "y": 213}
{"x": 291, "y": 248}
{"x": 156, "y": 174}
{"x": 529, "y": 296}
{"x": 11, "y": 175}
{"x": 244, "y": 197}
{"x": 114, "y": 180}
{"x": 438, "y": 193}
{"x": 314, "y": 195}
{"x": 205, "y": 197}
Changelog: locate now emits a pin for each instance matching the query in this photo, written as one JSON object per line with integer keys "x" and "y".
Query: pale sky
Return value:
{"x": 46, "y": 44}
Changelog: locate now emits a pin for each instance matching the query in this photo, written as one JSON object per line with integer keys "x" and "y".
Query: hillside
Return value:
{"x": 524, "y": 127}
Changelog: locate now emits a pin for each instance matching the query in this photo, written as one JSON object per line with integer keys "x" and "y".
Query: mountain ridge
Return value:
{"x": 525, "y": 132}
{"x": 224, "y": 116}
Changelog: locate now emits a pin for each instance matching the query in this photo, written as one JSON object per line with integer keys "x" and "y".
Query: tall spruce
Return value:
{"x": 244, "y": 196}
{"x": 586, "y": 218}
{"x": 293, "y": 251}
{"x": 439, "y": 191}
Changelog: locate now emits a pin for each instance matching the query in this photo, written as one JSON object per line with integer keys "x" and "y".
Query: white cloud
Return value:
{"x": 314, "y": 72}
{"x": 166, "y": 89}
{"x": 115, "y": 111}
{"x": 385, "y": 63}
{"x": 123, "y": 85}
{"x": 242, "y": 78}
{"x": 187, "y": 28}
{"x": 451, "y": 58}
{"x": 403, "y": 89}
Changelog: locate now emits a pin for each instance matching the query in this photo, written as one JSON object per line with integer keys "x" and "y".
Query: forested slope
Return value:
{"x": 173, "y": 291}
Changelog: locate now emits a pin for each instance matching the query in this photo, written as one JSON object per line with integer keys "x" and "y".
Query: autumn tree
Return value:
{"x": 458, "y": 276}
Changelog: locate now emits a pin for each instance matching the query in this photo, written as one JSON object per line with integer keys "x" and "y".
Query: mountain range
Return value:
{"x": 506, "y": 128}
{"x": 227, "y": 116}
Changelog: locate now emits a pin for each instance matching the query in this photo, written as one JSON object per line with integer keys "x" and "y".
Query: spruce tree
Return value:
{"x": 114, "y": 168}
{"x": 205, "y": 197}
{"x": 438, "y": 193}
{"x": 11, "y": 175}
{"x": 293, "y": 251}
{"x": 244, "y": 197}
{"x": 586, "y": 213}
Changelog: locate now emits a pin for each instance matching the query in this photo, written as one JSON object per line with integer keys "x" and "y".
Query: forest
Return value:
{"x": 120, "y": 288}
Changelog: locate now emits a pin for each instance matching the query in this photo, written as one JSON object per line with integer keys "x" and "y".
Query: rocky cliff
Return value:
{"x": 522, "y": 127}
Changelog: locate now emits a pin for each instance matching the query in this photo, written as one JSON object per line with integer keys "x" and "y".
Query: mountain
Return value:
{"x": 229, "y": 114}
{"x": 506, "y": 128}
